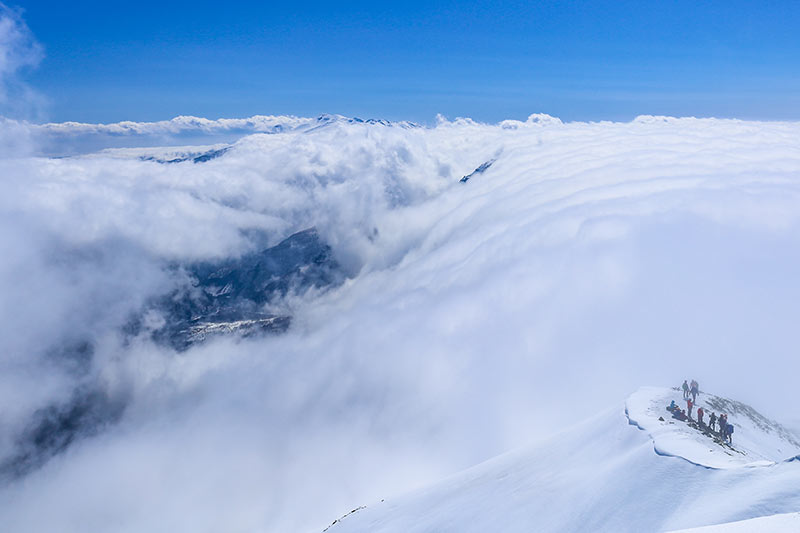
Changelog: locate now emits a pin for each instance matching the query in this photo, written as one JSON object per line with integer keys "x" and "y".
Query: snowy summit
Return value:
{"x": 758, "y": 440}
{"x": 634, "y": 469}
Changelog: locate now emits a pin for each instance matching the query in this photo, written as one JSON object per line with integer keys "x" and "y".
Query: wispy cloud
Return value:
{"x": 19, "y": 50}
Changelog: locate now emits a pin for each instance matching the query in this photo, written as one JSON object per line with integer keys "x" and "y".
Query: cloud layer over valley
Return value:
{"x": 587, "y": 260}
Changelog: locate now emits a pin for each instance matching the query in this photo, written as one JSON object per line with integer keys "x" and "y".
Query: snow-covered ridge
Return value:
{"x": 180, "y": 124}
{"x": 261, "y": 124}
{"x": 204, "y": 330}
{"x": 60, "y": 139}
{"x": 604, "y": 474}
{"x": 288, "y": 123}
{"x": 757, "y": 440}
{"x": 74, "y": 138}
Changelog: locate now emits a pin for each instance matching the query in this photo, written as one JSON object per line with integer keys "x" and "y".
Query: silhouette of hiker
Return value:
{"x": 730, "y": 433}
{"x": 689, "y": 405}
{"x": 723, "y": 425}
{"x": 685, "y": 388}
{"x": 700, "y": 413}
{"x": 694, "y": 389}
{"x": 711, "y": 420}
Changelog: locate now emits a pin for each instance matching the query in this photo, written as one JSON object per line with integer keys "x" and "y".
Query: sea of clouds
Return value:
{"x": 587, "y": 260}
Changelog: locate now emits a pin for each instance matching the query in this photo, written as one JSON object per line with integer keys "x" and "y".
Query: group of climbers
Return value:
{"x": 725, "y": 429}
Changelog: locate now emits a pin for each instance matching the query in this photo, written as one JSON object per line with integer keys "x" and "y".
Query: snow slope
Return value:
{"x": 780, "y": 523}
{"x": 601, "y": 475}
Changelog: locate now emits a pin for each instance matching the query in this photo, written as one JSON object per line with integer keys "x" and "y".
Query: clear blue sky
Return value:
{"x": 109, "y": 61}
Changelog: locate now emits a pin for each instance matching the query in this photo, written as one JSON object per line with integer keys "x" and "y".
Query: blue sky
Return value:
{"x": 144, "y": 60}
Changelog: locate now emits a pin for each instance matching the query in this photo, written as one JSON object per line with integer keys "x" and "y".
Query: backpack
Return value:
{"x": 730, "y": 428}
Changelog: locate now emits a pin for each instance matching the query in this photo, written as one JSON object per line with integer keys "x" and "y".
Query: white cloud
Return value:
{"x": 18, "y": 51}
{"x": 255, "y": 124}
{"x": 70, "y": 138}
{"x": 590, "y": 259}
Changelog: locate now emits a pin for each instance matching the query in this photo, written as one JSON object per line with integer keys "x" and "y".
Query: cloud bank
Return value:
{"x": 587, "y": 260}
{"x": 72, "y": 138}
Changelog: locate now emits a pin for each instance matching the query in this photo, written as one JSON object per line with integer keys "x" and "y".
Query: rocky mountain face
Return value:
{"x": 219, "y": 298}
{"x": 195, "y": 157}
{"x": 229, "y": 297}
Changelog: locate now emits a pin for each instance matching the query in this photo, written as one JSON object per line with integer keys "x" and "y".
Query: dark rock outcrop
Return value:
{"x": 195, "y": 157}
{"x": 480, "y": 170}
{"x": 229, "y": 297}
{"x": 54, "y": 428}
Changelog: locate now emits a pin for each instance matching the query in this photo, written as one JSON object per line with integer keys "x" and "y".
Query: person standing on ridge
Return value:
{"x": 730, "y": 433}
{"x": 711, "y": 420}
{"x": 685, "y": 388}
{"x": 723, "y": 425}
{"x": 689, "y": 405}
{"x": 694, "y": 388}
{"x": 700, "y": 413}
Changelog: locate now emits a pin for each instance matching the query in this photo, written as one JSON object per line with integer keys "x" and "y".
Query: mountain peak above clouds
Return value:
{"x": 188, "y": 123}
{"x": 758, "y": 441}
{"x": 618, "y": 471}
{"x": 58, "y": 139}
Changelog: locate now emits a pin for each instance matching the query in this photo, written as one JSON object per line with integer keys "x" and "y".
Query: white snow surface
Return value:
{"x": 779, "y": 523}
{"x": 604, "y": 474}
